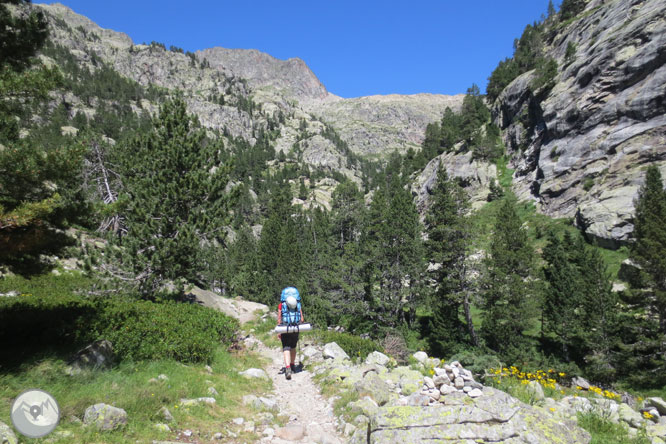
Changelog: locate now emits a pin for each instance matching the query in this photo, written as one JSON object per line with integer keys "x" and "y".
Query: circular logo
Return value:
{"x": 35, "y": 413}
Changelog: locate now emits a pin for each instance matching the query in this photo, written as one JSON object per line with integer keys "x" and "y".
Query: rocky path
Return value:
{"x": 311, "y": 418}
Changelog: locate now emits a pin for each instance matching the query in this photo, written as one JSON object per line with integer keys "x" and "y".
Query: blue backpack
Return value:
{"x": 290, "y": 316}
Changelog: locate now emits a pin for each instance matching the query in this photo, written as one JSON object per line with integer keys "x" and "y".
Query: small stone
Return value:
{"x": 208, "y": 369}
{"x": 105, "y": 417}
{"x": 238, "y": 421}
{"x": 428, "y": 382}
{"x": 467, "y": 389}
{"x": 197, "y": 401}
{"x": 162, "y": 427}
{"x": 441, "y": 379}
{"x": 212, "y": 391}
{"x": 446, "y": 389}
{"x": 187, "y": 433}
{"x": 249, "y": 427}
{"x": 580, "y": 382}
{"x": 163, "y": 377}
{"x": 254, "y": 373}
{"x": 153, "y": 381}
{"x": 434, "y": 394}
{"x": 166, "y": 414}
{"x": 268, "y": 431}
{"x": 475, "y": 393}
{"x": 459, "y": 383}
{"x": 218, "y": 436}
{"x": 657, "y": 403}
{"x": 377, "y": 358}
{"x": 7, "y": 435}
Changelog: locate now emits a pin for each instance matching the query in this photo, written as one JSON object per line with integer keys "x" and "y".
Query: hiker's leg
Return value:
{"x": 287, "y": 355}
{"x": 292, "y": 353}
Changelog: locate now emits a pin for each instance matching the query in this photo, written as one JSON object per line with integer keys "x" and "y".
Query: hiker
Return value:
{"x": 289, "y": 313}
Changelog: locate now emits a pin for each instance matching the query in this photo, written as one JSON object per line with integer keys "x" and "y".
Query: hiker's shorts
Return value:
{"x": 289, "y": 340}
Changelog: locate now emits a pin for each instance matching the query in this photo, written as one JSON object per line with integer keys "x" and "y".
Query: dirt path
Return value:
{"x": 300, "y": 399}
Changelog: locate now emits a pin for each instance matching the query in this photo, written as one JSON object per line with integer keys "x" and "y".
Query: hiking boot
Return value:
{"x": 281, "y": 372}
{"x": 287, "y": 373}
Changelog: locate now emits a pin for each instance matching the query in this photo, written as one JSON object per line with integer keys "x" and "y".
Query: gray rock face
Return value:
{"x": 474, "y": 175}
{"x": 581, "y": 151}
{"x": 292, "y": 76}
{"x": 494, "y": 417}
{"x": 105, "y": 417}
{"x": 382, "y": 124}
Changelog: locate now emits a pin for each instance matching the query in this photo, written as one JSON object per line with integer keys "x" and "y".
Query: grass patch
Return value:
{"x": 126, "y": 386}
{"x": 604, "y": 431}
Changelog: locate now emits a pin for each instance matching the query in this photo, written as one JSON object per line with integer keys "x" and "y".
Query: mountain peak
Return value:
{"x": 265, "y": 71}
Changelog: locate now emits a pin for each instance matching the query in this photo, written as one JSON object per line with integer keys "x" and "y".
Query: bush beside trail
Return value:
{"x": 47, "y": 314}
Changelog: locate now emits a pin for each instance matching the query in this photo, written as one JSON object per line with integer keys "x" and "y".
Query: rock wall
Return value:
{"x": 582, "y": 150}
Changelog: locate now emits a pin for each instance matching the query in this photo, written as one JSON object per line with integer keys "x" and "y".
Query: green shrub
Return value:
{"x": 144, "y": 330}
{"x": 588, "y": 184}
{"x": 354, "y": 346}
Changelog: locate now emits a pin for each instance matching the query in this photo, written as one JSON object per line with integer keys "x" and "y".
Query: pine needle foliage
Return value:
{"x": 175, "y": 199}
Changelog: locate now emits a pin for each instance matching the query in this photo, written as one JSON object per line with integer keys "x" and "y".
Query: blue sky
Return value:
{"x": 356, "y": 48}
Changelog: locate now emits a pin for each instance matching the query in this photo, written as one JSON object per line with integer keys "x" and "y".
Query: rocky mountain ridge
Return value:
{"x": 286, "y": 86}
{"x": 579, "y": 150}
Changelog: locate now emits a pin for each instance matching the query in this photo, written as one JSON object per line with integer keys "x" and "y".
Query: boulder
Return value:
{"x": 7, "y": 435}
{"x": 420, "y": 356}
{"x": 105, "y": 417}
{"x": 657, "y": 403}
{"x": 630, "y": 416}
{"x": 377, "y": 358}
{"x": 580, "y": 382}
{"x": 374, "y": 387}
{"x": 494, "y": 417}
{"x": 242, "y": 310}
{"x": 97, "y": 355}
{"x": 365, "y": 406}
{"x": 334, "y": 351}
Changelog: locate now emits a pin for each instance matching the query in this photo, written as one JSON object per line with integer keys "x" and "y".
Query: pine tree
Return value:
{"x": 646, "y": 344}
{"x": 508, "y": 285}
{"x": 394, "y": 245}
{"x": 279, "y": 259}
{"x": 563, "y": 299}
{"x": 174, "y": 198}
{"x": 447, "y": 244}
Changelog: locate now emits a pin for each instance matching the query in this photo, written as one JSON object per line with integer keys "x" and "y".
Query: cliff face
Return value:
{"x": 581, "y": 151}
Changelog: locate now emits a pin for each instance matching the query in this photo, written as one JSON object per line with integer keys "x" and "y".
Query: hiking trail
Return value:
{"x": 300, "y": 400}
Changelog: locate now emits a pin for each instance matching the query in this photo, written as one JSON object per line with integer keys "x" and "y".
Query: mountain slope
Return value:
{"x": 581, "y": 150}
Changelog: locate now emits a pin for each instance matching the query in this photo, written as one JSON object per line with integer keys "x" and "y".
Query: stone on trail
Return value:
{"x": 98, "y": 355}
{"x": 334, "y": 351}
{"x": 290, "y": 432}
{"x": 254, "y": 373}
{"x": 105, "y": 417}
{"x": 162, "y": 427}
